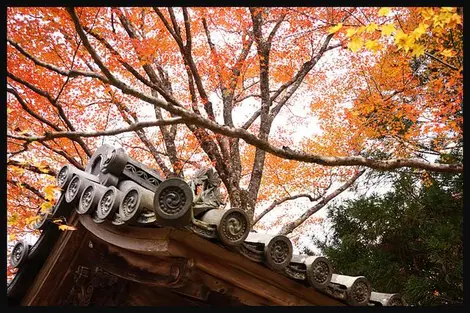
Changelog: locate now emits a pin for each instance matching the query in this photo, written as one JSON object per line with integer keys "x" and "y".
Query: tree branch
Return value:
{"x": 29, "y": 187}
{"x": 440, "y": 61}
{"x": 275, "y": 28}
{"x": 187, "y": 28}
{"x": 263, "y": 50}
{"x": 300, "y": 77}
{"x": 187, "y": 56}
{"x": 282, "y": 200}
{"x": 123, "y": 109}
{"x": 295, "y": 81}
{"x": 168, "y": 136}
{"x": 33, "y": 168}
{"x": 226, "y": 98}
{"x": 289, "y": 227}
{"x": 208, "y": 145}
{"x": 31, "y": 112}
{"x": 54, "y": 103}
{"x": 66, "y": 156}
{"x": 78, "y": 134}
{"x": 69, "y": 73}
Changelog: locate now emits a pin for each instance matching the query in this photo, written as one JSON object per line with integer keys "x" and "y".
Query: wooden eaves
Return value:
{"x": 164, "y": 259}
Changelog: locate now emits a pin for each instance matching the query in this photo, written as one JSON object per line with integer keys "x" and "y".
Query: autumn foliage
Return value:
{"x": 281, "y": 101}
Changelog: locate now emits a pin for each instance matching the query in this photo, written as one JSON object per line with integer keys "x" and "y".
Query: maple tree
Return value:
{"x": 181, "y": 88}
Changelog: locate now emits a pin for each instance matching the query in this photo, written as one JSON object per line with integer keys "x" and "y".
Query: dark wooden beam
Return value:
{"x": 142, "y": 295}
{"x": 48, "y": 284}
{"x": 224, "y": 265}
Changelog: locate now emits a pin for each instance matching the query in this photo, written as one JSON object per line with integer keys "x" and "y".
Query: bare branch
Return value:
{"x": 441, "y": 61}
{"x": 78, "y": 134}
{"x": 65, "y": 155}
{"x": 289, "y": 227}
{"x": 70, "y": 73}
{"x": 282, "y": 200}
{"x": 275, "y": 28}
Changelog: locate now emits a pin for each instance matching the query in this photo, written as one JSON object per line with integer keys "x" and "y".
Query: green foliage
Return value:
{"x": 409, "y": 240}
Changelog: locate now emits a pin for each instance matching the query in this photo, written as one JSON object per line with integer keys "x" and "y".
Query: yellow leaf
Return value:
{"x": 457, "y": 19}
{"x": 388, "y": 29}
{"x": 448, "y": 53}
{"x": 404, "y": 41}
{"x": 448, "y": 9}
{"x": 350, "y": 32}
{"x": 373, "y": 45}
{"x": 335, "y": 28}
{"x": 32, "y": 219}
{"x": 361, "y": 29}
{"x": 66, "y": 227}
{"x": 13, "y": 219}
{"x": 50, "y": 192}
{"x": 417, "y": 51}
{"x": 58, "y": 221}
{"x": 427, "y": 13}
{"x": 384, "y": 11}
{"x": 371, "y": 28}
{"x": 420, "y": 30}
{"x": 17, "y": 170}
{"x": 399, "y": 36}
{"x": 8, "y": 111}
{"x": 355, "y": 44}
{"x": 43, "y": 169}
{"x": 46, "y": 207}
{"x": 12, "y": 237}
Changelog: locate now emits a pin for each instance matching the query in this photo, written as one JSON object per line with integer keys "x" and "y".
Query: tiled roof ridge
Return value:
{"x": 119, "y": 189}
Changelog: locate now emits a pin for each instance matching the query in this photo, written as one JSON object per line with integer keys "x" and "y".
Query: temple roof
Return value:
{"x": 145, "y": 240}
